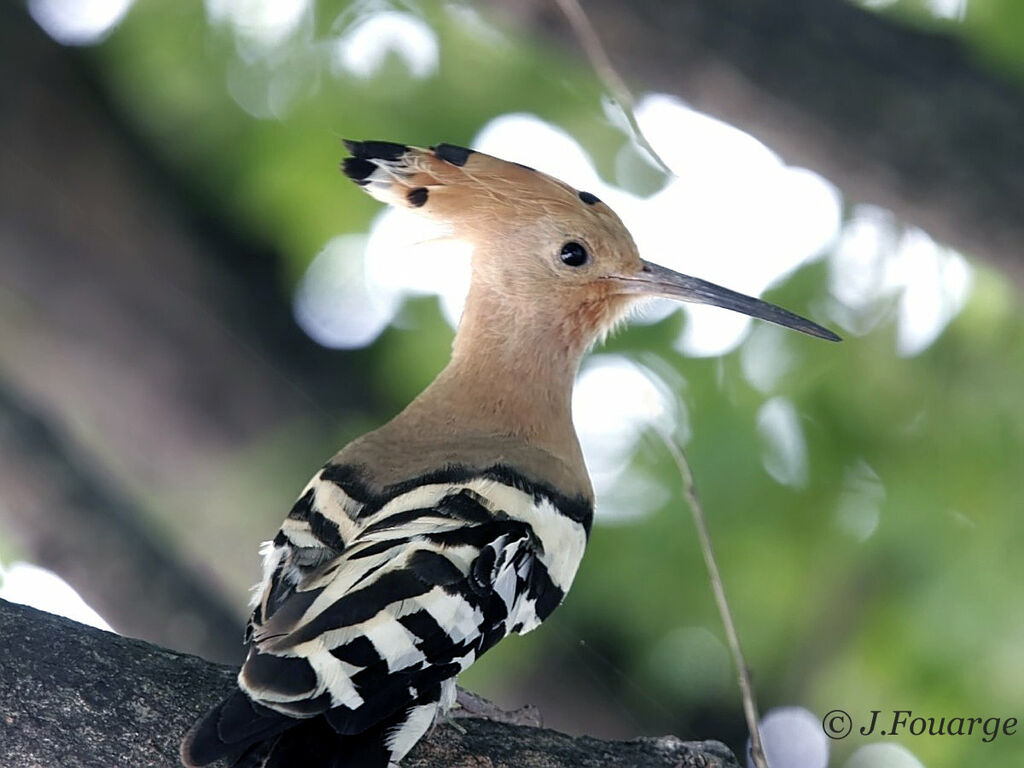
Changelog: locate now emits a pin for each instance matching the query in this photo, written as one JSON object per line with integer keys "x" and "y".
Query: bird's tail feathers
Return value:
{"x": 231, "y": 729}
{"x": 313, "y": 743}
{"x": 253, "y": 736}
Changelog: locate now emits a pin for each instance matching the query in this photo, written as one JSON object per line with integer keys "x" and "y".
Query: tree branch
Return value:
{"x": 893, "y": 116}
{"x": 79, "y": 697}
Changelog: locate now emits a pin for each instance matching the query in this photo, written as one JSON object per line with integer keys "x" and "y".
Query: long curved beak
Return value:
{"x": 654, "y": 280}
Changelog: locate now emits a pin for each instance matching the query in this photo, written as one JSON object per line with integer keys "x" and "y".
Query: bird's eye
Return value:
{"x": 574, "y": 254}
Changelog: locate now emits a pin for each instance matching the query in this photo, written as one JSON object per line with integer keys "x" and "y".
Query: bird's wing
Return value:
{"x": 361, "y": 627}
{"x": 371, "y": 606}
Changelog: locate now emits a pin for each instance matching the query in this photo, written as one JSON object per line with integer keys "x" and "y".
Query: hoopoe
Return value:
{"x": 422, "y": 544}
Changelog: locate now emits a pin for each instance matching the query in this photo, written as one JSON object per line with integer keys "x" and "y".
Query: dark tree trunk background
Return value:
{"x": 108, "y": 279}
{"x": 78, "y": 697}
{"x": 57, "y": 508}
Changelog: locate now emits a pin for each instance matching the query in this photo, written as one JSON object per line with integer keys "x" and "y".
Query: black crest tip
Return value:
{"x": 358, "y": 169}
{"x": 453, "y": 154}
{"x": 417, "y": 197}
{"x": 375, "y": 150}
{"x": 589, "y": 198}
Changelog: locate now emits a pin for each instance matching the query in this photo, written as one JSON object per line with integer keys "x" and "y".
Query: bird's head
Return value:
{"x": 544, "y": 253}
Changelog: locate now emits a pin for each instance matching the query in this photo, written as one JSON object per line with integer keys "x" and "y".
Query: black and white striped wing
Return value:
{"x": 407, "y": 605}
{"x": 370, "y": 610}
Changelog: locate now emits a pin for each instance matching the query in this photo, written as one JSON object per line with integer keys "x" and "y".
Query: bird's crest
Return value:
{"x": 479, "y": 196}
{"x": 453, "y": 183}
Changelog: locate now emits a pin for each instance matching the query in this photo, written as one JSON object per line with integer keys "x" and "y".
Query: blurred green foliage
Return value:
{"x": 925, "y": 613}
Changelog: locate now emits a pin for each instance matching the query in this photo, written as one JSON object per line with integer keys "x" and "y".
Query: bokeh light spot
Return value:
{"x": 883, "y": 756}
{"x": 39, "y": 588}
{"x": 333, "y": 303}
{"x": 78, "y": 22}
{"x": 860, "y": 504}
{"x": 766, "y": 356}
{"x": 877, "y": 261}
{"x": 259, "y": 25}
{"x": 785, "y": 450}
{"x": 614, "y": 401}
{"x": 366, "y": 45}
{"x": 792, "y": 738}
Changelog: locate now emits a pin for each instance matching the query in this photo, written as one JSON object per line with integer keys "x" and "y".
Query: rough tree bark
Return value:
{"x": 78, "y": 697}
{"x": 892, "y": 116}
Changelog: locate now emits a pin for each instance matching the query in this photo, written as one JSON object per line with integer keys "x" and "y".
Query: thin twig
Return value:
{"x": 743, "y": 673}
{"x": 616, "y": 86}
{"x": 607, "y": 74}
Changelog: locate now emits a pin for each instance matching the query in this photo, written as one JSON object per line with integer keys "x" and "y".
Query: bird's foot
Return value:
{"x": 470, "y": 705}
{"x": 449, "y": 719}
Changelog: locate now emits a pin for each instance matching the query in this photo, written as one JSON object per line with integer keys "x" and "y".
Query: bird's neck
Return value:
{"x": 509, "y": 375}
{"x": 510, "y": 378}
{"x": 504, "y": 399}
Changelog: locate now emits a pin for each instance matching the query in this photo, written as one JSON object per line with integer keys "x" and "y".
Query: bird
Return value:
{"x": 463, "y": 519}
